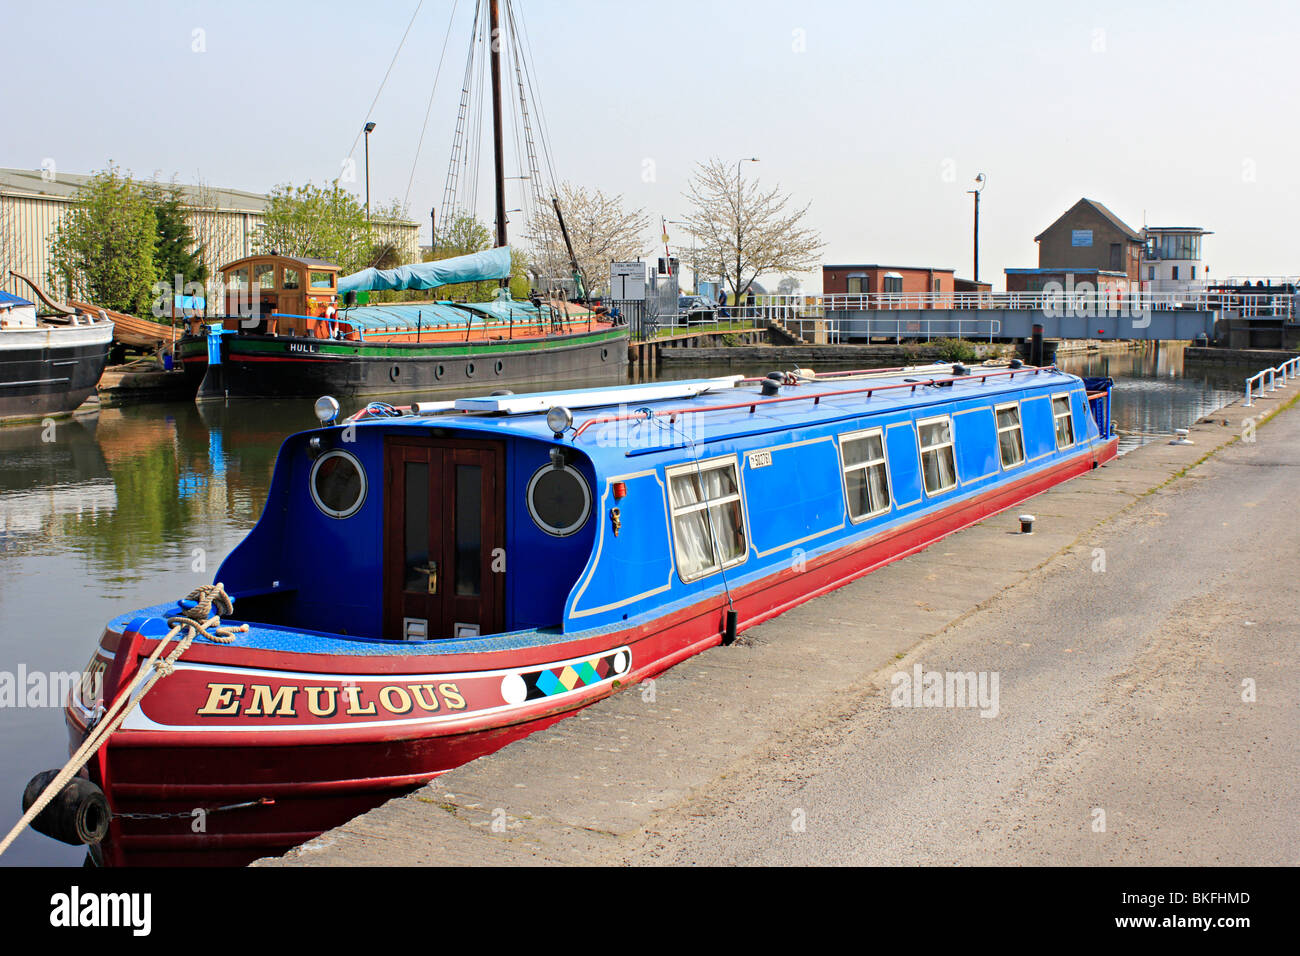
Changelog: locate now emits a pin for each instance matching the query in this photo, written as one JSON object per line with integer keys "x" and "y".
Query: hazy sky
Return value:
{"x": 878, "y": 114}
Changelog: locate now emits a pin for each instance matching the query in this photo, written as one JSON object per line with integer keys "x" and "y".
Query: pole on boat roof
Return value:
{"x": 498, "y": 148}
{"x": 580, "y": 280}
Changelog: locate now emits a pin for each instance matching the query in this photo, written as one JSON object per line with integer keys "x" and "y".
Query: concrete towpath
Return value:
{"x": 1143, "y": 643}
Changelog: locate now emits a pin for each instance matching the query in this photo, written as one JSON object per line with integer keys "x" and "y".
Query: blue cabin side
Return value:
{"x": 794, "y": 492}
{"x": 614, "y": 527}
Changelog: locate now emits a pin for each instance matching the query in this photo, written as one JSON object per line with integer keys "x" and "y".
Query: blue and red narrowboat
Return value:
{"x": 429, "y": 583}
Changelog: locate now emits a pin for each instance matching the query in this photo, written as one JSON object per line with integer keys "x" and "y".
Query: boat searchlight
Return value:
{"x": 327, "y": 409}
{"x": 559, "y": 419}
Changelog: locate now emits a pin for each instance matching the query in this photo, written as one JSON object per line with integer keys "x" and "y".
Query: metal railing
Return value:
{"x": 922, "y": 327}
{"x": 820, "y": 315}
{"x": 1289, "y": 369}
{"x": 1071, "y": 298}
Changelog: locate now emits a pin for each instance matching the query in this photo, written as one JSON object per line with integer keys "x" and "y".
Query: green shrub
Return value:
{"x": 955, "y": 350}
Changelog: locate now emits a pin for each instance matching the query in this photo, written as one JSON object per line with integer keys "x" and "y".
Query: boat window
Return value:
{"x": 708, "y": 521}
{"x": 469, "y": 530}
{"x": 237, "y": 278}
{"x": 938, "y": 461}
{"x": 1064, "y": 421}
{"x": 321, "y": 280}
{"x": 338, "y": 484}
{"x": 866, "y": 474}
{"x": 291, "y": 278}
{"x": 264, "y": 276}
{"x": 559, "y": 499}
{"x": 416, "y": 538}
{"x": 1011, "y": 437}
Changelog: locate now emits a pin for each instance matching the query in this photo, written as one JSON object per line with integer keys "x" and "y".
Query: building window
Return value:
{"x": 1193, "y": 272}
{"x": 866, "y": 474}
{"x": 708, "y": 523}
{"x": 857, "y": 284}
{"x": 893, "y": 285}
{"x": 1011, "y": 437}
{"x": 1173, "y": 246}
{"x": 1151, "y": 272}
{"x": 1173, "y": 272}
{"x": 1064, "y": 421}
{"x": 938, "y": 461}
{"x": 1116, "y": 256}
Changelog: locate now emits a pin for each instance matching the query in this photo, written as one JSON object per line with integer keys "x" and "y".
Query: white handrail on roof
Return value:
{"x": 593, "y": 397}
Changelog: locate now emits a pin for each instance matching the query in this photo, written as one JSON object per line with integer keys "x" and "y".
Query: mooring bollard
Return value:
{"x": 1182, "y": 438}
{"x": 1026, "y": 524}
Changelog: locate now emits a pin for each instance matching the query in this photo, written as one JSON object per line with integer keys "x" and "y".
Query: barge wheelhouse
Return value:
{"x": 428, "y": 584}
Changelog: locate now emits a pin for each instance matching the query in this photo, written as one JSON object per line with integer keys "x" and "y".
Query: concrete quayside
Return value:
{"x": 1129, "y": 670}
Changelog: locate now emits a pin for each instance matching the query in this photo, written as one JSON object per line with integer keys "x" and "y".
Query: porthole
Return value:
{"x": 500, "y": 366}
{"x": 394, "y": 373}
{"x": 337, "y": 483}
{"x": 559, "y": 499}
{"x": 437, "y": 372}
{"x": 604, "y": 354}
{"x": 469, "y": 370}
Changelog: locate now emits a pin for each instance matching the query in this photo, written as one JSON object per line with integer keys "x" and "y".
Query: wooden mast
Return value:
{"x": 494, "y": 22}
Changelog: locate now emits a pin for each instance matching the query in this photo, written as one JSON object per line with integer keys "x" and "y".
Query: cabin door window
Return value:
{"x": 444, "y": 540}
{"x": 708, "y": 517}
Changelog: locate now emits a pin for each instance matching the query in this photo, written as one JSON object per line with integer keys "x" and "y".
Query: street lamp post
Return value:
{"x": 980, "y": 181}
{"x": 748, "y": 159}
{"x": 369, "y": 128}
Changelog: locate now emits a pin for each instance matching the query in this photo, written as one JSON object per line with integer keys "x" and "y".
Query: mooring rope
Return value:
{"x": 193, "y": 620}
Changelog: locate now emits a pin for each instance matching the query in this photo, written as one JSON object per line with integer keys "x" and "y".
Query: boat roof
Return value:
{"x": 9, "y": 301}
{"x": 431, "y": 315}
{"x": 719, "y": 408}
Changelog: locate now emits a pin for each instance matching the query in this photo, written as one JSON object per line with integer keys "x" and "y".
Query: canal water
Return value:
{"x": 132, "y": 506}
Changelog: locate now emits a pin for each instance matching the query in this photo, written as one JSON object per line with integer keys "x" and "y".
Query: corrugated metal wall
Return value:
{"x": 28, "y": 224}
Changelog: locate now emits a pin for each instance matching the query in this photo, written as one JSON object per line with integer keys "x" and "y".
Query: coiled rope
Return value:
{"x": 193, "y": 620}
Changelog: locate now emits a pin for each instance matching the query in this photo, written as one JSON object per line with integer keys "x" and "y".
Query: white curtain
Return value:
{"x": 696, "y": 554}
{"x": 690, "y": 530}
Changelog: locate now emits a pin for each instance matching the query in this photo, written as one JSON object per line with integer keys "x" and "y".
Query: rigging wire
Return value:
{"x": 406, "y": 199}
{"x": 388, "y": 72}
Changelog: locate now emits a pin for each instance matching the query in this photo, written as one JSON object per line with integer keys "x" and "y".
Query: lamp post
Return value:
{"x": 369, "y": 128}
{"x": 980, "y": 182}
{"x": 747, "y": 159}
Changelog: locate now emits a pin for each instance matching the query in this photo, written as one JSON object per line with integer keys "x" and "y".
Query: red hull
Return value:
{"x": 321, "y": 775}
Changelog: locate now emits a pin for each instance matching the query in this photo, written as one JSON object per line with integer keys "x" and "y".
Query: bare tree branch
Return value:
{"x": 745, "y": 229}
{"x": 601, "y": 229}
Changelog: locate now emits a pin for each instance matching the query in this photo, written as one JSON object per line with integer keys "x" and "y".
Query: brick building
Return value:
{"x": 1090, "y": 236}
{"x": 886, "y": 280}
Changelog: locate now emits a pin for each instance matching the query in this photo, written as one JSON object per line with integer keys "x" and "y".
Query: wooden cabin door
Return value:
{"x": 444, "y": 539}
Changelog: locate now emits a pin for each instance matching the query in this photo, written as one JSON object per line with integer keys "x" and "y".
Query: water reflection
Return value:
{"x": 1155, "y": 392}
{"x": 107, "y": 513}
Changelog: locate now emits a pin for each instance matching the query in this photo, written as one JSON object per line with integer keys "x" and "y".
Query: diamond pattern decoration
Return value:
{"x": 550, "y": 681}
